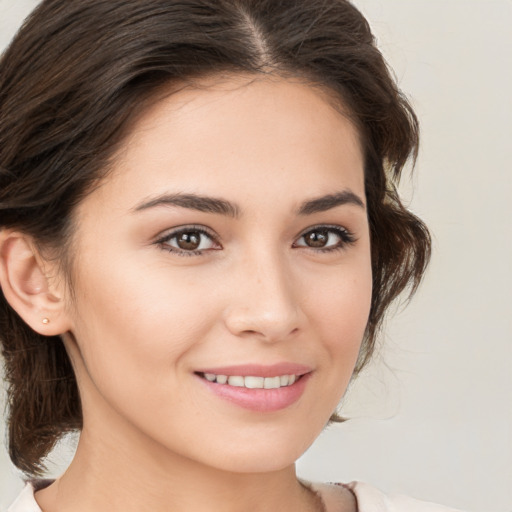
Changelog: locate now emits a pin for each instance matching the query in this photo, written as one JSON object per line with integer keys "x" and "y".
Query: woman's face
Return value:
{"x": 230, "y": 242}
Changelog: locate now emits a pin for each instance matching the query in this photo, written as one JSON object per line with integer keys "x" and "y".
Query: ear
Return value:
{"x": 30, "y": 286}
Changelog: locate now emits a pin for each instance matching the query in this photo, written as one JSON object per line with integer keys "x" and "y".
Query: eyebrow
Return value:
{"x": 193, "y": 202}
{"x": 221, "y": 206}
{"x": 324, "y": 203}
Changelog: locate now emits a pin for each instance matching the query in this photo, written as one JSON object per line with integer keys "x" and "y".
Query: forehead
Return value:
{"x": 224, "y": 135}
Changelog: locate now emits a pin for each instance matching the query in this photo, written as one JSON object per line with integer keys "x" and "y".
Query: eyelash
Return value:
{"x": 346, "y": 239}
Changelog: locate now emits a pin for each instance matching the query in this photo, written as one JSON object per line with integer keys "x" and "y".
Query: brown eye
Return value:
{"x": 188, "y": 241}
{"x": 318, "y": 238}
{"x": 325, "y": 238}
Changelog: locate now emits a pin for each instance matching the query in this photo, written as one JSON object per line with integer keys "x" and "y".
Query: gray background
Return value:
{"x": 433, "y": 416}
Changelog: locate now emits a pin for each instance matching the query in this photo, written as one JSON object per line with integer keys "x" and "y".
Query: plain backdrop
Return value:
{"x": 432, "y": 417}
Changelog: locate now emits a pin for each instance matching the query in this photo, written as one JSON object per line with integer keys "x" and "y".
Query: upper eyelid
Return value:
{"x": 169, "y": 233}
{"x": 331, "y": 227}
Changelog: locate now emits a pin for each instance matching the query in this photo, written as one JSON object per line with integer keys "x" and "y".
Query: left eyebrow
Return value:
{"x": 324, "y": 203}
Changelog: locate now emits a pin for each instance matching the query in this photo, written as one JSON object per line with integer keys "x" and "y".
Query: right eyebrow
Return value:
{"x": 194, "y": 202}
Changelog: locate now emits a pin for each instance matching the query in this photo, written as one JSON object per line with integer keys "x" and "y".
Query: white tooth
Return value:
{"x": 272, "y": 382}
{"x": 222, "y": 379}
{"x": 209, "y": 376}
{"x": 254, "y": 382}
{"x": 291, "y": 379}
{"x": 283, "y": 380}
{"x": 237, "y": 381}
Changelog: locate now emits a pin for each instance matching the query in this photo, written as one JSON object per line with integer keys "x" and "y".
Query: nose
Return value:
{"x": 263, "y": 300}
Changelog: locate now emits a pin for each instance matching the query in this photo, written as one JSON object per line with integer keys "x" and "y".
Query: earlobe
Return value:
{"x": 28, "y": 287}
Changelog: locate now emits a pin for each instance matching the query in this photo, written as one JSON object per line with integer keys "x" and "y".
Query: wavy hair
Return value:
{"x": 78, "y": 72}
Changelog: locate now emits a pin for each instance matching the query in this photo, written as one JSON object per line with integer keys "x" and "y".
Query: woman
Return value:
{"x": 200, "y": 238}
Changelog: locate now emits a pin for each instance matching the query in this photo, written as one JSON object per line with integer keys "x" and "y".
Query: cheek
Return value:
{"x": 136, "y": 323}
{"x": 339, "y": 316}
{"x": 341, "y": 304}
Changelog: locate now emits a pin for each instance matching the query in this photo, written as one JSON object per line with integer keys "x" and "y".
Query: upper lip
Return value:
{"x": 258, "y": 370}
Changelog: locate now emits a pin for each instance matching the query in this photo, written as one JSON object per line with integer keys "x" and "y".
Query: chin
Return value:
{"x": 262, "y": 463}
{"x": 263, "y": 456}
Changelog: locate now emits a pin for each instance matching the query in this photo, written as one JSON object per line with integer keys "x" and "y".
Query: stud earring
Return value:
{"x": 46, "y": 321}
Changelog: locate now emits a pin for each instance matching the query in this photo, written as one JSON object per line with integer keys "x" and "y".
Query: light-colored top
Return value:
{"x": 369, "y": 499}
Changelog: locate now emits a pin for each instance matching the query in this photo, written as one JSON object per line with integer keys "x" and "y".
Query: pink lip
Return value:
{"x": 259, "y": 400}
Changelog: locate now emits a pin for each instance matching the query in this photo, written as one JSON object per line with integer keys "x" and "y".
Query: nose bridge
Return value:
{"x": 263, "y": 300}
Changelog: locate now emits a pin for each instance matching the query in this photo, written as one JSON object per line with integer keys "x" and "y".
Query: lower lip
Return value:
{"x": 260, "y": 400}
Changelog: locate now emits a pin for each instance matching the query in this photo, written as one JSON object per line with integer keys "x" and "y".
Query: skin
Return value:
{"x": 143, "y": 320}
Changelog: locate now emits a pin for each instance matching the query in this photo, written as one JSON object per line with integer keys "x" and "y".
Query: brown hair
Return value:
{"x": 78, "y": 71}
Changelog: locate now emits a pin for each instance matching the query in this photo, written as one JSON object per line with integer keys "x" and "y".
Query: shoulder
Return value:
{"x": 25, "y": 502}
{"x": 370, "y": 499}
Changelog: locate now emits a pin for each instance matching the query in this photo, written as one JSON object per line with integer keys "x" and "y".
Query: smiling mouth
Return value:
{"x": 252, "y": 382}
